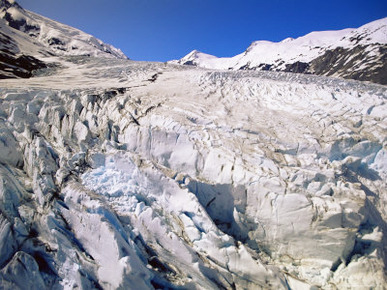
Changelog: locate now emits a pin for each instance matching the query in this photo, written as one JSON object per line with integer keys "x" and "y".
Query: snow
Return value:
{"x": 302, "y": 49}
{"x": 59, "y": 38}
{"x": 162, "y": 163}
{"x": 200, "y": 179}
{"x": 16, "y": 14}
{"x": 75, "y": 42}
{"x": 373, "y": 32}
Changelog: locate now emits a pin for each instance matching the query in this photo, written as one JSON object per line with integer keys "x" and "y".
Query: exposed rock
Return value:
{"x": 346, "y": 63}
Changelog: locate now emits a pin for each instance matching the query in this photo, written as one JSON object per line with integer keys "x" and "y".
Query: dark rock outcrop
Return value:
{"x": 15, "y": 64}
{"x": 356, "y": 63}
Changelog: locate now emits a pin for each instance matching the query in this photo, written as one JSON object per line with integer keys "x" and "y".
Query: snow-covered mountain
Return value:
{"x": 27, "y": 37}
{"x": 350, "y": 53}
{"x": 116, "y": 174}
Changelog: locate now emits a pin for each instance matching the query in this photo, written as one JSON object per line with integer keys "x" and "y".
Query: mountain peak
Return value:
{"x": 350, "y": 53}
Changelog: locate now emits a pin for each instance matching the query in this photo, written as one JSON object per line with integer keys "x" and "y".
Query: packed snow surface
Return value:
{"x": 122, "y": 174}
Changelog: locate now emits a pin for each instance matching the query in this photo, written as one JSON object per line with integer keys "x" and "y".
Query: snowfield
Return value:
{"x": 122, "y": 174}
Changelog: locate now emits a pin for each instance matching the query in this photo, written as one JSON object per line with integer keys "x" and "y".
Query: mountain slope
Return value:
{"x": 138, "y": 175}
{"x": 46, "y": 38}
{"x": 16, "y": 53}
{"x": 350, "y": 53}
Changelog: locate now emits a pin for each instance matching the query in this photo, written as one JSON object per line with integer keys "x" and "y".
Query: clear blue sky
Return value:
{"x": 162, "y": 30}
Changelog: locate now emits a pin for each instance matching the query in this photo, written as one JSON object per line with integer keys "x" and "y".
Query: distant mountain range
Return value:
{"x": 358, "y": 54}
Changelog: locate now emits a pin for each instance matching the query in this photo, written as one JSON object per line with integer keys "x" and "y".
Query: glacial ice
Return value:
{"x": 196, "y": 179}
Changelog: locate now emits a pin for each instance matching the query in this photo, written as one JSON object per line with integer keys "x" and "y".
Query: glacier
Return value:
{"x": 123, "y": 174}
{"x": 119, "y": 174}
